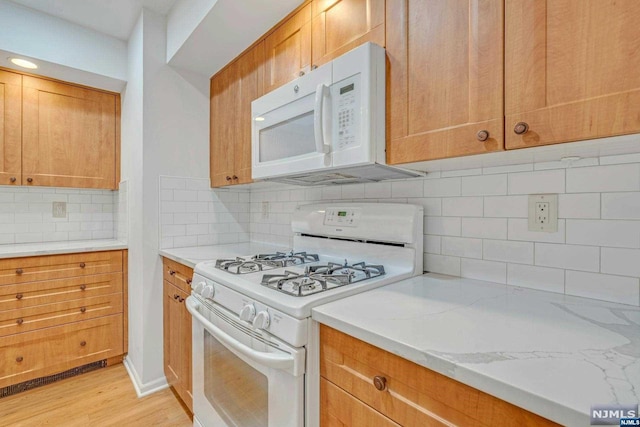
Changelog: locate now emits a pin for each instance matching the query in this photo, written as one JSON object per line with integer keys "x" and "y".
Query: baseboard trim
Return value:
{"x": 143, "y": 390}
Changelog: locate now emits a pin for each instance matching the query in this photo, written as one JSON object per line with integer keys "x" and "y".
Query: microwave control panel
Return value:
{"x": 348, "y": 112}
{"x": 342, "y": 217}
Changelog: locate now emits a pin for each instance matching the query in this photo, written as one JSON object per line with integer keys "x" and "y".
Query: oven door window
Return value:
{"x": 237, "y": 391}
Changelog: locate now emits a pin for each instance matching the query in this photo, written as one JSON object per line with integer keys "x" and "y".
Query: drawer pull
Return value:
{"x": 83, "y": 343}
{"x": 19, "y": 359}
{"x": 189, "y": 281}
{"x": 19, "y": 296}
{"x": 83, "y": 287}
{"x": 482, "y": 135}
{"x": 83, "y": 265}
{"x": 172, "y": 273}
{"x": 20, "y": 321}
{"x": 180, "y": 299}
{"x": 380, "y": 382}
{"x": 176, "y": 296}
{"x": 19, "y": 271}
{"x": 83, "y": 309}
{"x": 521, "y": 128}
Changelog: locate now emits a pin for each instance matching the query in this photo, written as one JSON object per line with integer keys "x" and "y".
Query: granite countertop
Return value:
{"x": 192, "y": 255}
{"x": 52, "y": 248}
{"x": 552, "y": 354}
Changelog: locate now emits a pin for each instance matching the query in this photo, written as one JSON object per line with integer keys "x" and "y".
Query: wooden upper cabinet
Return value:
{"x": 571, "y": 70}
{"x": 232, "y": 91}
{"x": 445, "y": 78}
{"x": 288, "y": 50}
{"x": 338, "y": 26}
{"x": 10, "y": 128}
{"x": 68, "y": 135}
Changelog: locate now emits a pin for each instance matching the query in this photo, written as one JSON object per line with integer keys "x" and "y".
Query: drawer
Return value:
{"x": 48, "y": 315}
{"x": 414, "y": 395}
{"x": 51, "y": 291}
{"x": 32, "y": 269}
{"x": 339, "y": 409}
{"x": 52, "y": 350}
{"x": 177, "y": 274}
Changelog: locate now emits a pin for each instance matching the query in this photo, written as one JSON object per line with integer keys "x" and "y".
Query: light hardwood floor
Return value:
{"x": 101, "y": 398}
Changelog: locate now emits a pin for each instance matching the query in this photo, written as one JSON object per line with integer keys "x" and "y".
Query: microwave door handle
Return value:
{"x": 322, "y": 92}
{"x": 270, "y": 360}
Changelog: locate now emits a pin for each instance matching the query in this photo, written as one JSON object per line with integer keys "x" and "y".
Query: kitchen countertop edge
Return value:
{"x": 24, "y": 250}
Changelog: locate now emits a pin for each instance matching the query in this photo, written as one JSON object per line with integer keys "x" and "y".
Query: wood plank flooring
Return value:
{"x": 104, "y": 397}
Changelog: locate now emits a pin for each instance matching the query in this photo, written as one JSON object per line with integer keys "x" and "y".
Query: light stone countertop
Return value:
{"x": 552, "y": 354}
{"x": 190, "y": 256}
{"x": 53, "y": 248}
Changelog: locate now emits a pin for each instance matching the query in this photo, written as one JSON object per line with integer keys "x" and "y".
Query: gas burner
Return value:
{"x": 282, "y": 259}
{"x": 320, "y": 278}
{"x": 241, "y": 266}
{"x": 263, "y": 262}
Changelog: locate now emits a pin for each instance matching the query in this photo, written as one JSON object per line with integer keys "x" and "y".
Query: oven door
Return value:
{"x": 241, "y": 378}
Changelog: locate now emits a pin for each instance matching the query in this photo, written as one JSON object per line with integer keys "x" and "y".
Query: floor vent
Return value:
{"x": 37, "y": 382}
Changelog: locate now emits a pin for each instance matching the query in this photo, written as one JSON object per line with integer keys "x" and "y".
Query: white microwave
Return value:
{"x": 327, "y": 126}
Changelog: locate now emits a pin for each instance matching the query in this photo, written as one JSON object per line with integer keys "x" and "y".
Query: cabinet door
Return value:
{"x": 340, "y": 25}
{"x": 288, "y": 50}
{"x": 224, "y": 88}
{"x": 171, "y": 329}
{"x": 68, "y": 135}
{"x": 571, "y": 70}
{"x": 186, "y": 388}
{"x": 10, "y": 128}
{"x": 445, "y": 81}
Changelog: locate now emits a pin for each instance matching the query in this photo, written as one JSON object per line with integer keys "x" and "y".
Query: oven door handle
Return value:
{"x": 270, "y": 360}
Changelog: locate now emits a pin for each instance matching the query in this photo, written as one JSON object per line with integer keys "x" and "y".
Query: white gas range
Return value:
{"x": 254, "y": 345}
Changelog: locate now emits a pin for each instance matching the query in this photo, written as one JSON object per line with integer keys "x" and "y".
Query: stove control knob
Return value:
{"x": 248, "y": 312}
{"x": 208, "y": 292}
{"x": 199, "y": 287}
{"x": 262, "y": 320}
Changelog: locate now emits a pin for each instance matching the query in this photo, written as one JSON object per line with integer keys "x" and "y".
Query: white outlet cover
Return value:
{"x": 551, "y": 226}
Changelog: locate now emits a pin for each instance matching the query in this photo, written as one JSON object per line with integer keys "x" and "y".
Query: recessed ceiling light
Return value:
{"x": 259, "y": 119}
{"x": 23, "y": 63}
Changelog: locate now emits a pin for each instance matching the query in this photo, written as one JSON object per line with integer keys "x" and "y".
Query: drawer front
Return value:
{"x": 51, "y": 291}
{"x": 52, "y": 350}
{"x": 177, "y": 274}
{"x": 340, "y": 409}
{"x": 48, "y": 315}
{"x": 413, "y": 395}
{"x": 31, "y": 269}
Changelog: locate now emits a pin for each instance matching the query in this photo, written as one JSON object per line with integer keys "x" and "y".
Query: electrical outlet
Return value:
{"x": 59, "y": 209}
{"x": 543, "y": 212}
{"x": 265, "y": 210}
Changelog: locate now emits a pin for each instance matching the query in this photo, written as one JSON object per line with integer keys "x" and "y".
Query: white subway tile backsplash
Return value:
{"x": 432, "y": 244}
{"x": 483, "y": 270}
{"x": 599, "y": 179}
{"x": 442, "y": 226}
{"x": 518, "y": 229}
{"x": 579, "y": 205}
{"x": 508, "y": 251}
{"x": 571, "y": 257}
{"x": 408, "y": 188}
{"x": 432, "y": 205}
{"x": 534, "y": 277}
{"x": 463, "y": 172}
{"x": 624, "y": 262}
{"x": 442, "y": 264}
{"x": 624, "y": 158}
{"x": 462, "y": 206}
{"x": 377, "y": 190}
{"x": 621, "y": 205}
{"x": 537, "y": 182}
{"x": 559, "y": 164}
{"x": 461, "y": 247}
{"x": 442, "y": 187}
{"x": 620, "y": 234}
{"x": 507, "y": 169}
{"x": 487, "y": 185}
{"x": 506, "y": 207}
{"x": 484, "y": 228}
{"x": 624, "y": 290}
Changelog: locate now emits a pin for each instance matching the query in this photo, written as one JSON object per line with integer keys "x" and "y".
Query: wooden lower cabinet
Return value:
{"x": 177, "y": 330}
{"x": 60, "y": 312}
{"x": 411, "y": 395}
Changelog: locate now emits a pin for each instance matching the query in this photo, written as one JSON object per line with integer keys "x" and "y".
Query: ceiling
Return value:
{"x": 112, "y": 17}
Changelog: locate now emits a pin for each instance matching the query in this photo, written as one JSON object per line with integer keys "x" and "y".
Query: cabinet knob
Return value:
{"x": 29, "y": 180}
{"x": 83, "y": 309}
{"x": 19, "y": 271}
{"x": 234, "y": 177}
{"x": 19, "y": 359}
{"x": 380, "y": 382}
{"x": 189, "y": 281}
{"x": 20, "y": 321}
{"x": 83, "y": 343}
{"x": 482, "y": 135}
{"x": 83, "y": 287}
{"x": 181, "y": 299}
{"x": 301, "y": 73}
{"x": 13, "y": 179}
{"x": 228, "y": 178}
{"x": 19, "y": 296}
{"x": 176, "y": 296}
{"x": 83, "y": 265}
{"x": 521, "y": 128}
{"x": 172, "y": 273}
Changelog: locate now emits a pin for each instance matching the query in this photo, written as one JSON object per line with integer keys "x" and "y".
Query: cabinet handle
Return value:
{"x": 19, "y": 271}
{"x": 83, "y": 343}
{"x": 301, "y": 73}
{"x": 19, "y": 359}
{"x": 521, "y": 128}
{"x": 13, "y": 179}
{"x": 228, "y": 178}
{"x": 234, "y": 177}
{"x": 20, "y": 321}
{"x": 19, "y": 296}
{"x": 83, "y": 265}
{"x": 83, "y": 287}
{"x": 380, "y": 382}
{"x": 482, "y": 135}
{"x": 83, "y": 309}
{"x": 180, "y": 299}
{"x": 172, "y": 273}
{"x": 29, "y": 180}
